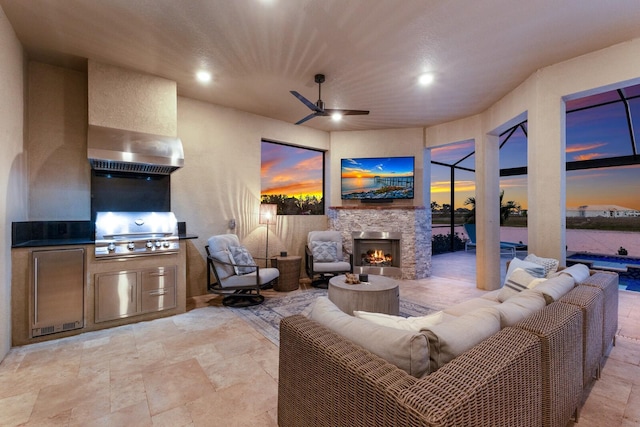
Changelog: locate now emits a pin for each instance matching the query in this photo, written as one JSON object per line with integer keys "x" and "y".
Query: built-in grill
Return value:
{"x": 131, "y": 234}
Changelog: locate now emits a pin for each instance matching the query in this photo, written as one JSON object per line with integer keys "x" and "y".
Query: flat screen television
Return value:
{"x": 371, "y": 179}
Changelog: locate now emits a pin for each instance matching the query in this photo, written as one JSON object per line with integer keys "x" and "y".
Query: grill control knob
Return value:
{"x": 149, "y": 244}
{"x": 166, "y": 244}
{"x": 158, "y": 243}
{"x": 131, "y": 246}
{"x": 111, "y": 247}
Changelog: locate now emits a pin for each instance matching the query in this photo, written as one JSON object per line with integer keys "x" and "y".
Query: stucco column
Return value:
{"x": 546, "y": 176}
{"x": 488, "y": 213}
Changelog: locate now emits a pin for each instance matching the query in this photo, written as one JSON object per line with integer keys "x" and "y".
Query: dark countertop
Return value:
{"x": 32, "y": 234}
{"x": 67, "y": 242}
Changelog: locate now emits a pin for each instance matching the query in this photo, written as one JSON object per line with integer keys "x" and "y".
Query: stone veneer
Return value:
{"x": 413, "y": 222}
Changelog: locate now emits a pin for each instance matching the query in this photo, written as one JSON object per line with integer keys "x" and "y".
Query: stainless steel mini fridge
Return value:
{"x": 57, "y": 291}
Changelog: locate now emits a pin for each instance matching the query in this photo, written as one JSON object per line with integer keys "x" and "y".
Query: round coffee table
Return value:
{"x": 380, "y": 295}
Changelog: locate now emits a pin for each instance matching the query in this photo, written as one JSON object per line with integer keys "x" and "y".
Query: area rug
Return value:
{"x": 265, "y": 318}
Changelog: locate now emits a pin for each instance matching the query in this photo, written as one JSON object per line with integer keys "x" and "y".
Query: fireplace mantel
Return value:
{"x": 414, "y": 222}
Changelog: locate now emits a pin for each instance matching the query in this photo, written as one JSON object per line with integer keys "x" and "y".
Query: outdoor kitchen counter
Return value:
{"x": 21, "y": 284}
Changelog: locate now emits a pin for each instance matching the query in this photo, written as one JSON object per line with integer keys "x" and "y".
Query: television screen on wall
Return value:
{"x": 377, "y": 178}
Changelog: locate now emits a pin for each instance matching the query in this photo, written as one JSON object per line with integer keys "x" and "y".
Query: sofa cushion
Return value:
{"x": 492, "y": 295}
{"x": 324, "y": 251}
{"x": 518, "y": 281}
{"x": 414, "y": 323}
{"x": 553, "y": 289}
{"x": 520, "y": 307}
{"x": 468, "y": 306}
{"x": 240, "y": 255}
{"x": 408, "y": 350}
{"x": 579, "y": 272}
{"x": 550, "y": 265}
{"x": 452, "y": 338}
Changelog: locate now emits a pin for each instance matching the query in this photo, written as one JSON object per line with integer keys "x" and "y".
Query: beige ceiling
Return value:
{"x": 371, "y": 51}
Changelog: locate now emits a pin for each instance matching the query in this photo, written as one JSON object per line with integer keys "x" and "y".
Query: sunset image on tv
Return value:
{"x": 377, "y": 178}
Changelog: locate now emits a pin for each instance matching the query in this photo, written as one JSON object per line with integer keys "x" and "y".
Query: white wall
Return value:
{"x": 221, "y": 181}
{"x": 13, "y": 180}
{"x": 376, "y": 143}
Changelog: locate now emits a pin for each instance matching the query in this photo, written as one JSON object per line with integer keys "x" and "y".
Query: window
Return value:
{"x": 293, "y": 178}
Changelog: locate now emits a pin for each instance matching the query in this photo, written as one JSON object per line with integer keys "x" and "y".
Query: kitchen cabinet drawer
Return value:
{"x": 116, "y": 295}
{"x": 158, "y": 299}
{"x": 159, "y": 278}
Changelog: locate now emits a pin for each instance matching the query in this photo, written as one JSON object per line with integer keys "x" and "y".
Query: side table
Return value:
{"x": 289, "y": 268}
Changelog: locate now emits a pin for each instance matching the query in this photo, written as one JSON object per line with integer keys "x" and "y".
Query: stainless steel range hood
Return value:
{"x": 116, "y": 150}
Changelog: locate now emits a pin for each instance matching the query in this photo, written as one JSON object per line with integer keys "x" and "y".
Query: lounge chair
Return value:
{"x": 237, "y": 275}
{"x": 506, "y": 248}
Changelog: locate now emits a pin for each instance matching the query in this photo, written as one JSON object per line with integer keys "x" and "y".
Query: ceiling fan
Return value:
{"x": 318, "y": 108}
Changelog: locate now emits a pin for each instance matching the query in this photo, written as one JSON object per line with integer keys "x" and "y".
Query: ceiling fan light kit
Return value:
{"x": 318, "y": 108}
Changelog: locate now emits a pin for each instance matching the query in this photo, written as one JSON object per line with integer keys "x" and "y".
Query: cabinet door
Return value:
{"x": 116, "y": 295}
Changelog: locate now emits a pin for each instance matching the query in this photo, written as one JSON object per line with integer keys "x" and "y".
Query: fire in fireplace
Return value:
{"x": 377, "y": 252}
{"x": 376, "y": 258}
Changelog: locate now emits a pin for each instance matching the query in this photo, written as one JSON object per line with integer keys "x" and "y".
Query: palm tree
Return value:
{"x": 505, "y": 209}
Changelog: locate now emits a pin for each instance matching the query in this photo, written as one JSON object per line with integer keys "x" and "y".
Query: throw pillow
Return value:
{"x": 324, "y": 251}
{"x": 550, "y": 265}
{"x": 518, "y": 280}
{"x": 532, "y": 268}
{"x": 414, "y": 323}
{"x": 241, "y": 256}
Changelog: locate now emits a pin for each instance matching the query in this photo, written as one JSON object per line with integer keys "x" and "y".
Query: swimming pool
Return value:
{"x": 628, "y": 268}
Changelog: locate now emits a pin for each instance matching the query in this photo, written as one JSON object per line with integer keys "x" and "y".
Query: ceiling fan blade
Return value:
{"x": 309, "y": 117}
{"x": 305, "y": 101}
{"x": 330, "y": 111}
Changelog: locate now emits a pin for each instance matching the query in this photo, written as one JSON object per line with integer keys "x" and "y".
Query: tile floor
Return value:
{"x": 207, "y": 367}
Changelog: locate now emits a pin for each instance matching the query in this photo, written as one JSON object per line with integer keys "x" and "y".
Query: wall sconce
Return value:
{"x": 268, "y": 216}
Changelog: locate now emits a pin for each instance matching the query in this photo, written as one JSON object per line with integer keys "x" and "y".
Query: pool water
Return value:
{"x": 628, "y": 268}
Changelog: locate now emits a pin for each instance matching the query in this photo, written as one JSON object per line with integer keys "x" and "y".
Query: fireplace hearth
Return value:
{"x": 377, "y": 252}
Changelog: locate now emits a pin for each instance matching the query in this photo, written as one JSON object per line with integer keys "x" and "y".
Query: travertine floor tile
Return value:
{"x": 176, "y": 385}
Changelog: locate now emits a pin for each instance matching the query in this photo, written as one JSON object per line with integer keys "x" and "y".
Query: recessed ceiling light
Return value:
{"x": 425, "y": 79}
{"x": 203, "y": 76}
{"x": 336, "y": 117}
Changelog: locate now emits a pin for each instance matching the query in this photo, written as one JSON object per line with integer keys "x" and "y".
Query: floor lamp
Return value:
{"x": 268, "y": 216}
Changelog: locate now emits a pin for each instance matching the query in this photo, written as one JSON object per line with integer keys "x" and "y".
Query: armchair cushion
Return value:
{"x": 224, "y": 270}
{"x": 240, "y": 255}
{"x": 324, "y": 251}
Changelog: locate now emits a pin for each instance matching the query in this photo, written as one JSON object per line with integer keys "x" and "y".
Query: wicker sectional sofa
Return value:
{"x": 531, "y": 373}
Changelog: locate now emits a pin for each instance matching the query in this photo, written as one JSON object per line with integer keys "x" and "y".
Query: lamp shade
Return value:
{"x": 268, "y": 213}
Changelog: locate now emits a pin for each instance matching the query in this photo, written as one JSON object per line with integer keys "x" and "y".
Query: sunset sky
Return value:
{"x": 290, "y": 170}
{"x": 593, "y": 133}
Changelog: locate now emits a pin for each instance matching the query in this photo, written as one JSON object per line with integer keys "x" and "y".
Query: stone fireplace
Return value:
{"x": 377, "y": 252}
{"x": 411, "y": 223}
